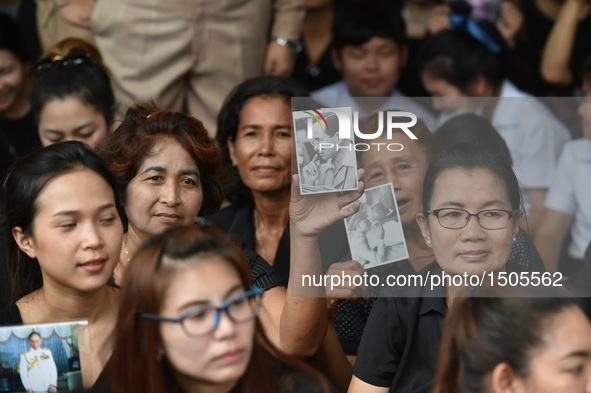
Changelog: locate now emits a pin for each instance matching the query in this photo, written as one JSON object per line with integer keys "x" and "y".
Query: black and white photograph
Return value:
{"x": 40, "y": 358}
{"x": 375, "y": 233}
{"x": 325, "y": 162}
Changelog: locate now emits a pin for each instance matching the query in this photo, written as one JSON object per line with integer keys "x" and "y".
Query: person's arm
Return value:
{"x": 557, "y": 52}
{"x": 295, "y": 319}
{"x": 24, "y": 372}
{"x": 287, "y": 24}
{"x": 359, "y": 386}
{"x": 550, "y": 235}
{"x": 534, "y": 217}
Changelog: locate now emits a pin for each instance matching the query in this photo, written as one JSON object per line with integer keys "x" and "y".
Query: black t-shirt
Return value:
{"x": 17, "y": 138}
{"x": 238, "y": 223}
{"x": 400, "y": 344}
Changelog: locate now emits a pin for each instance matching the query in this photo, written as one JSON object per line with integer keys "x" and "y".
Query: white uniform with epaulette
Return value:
{"x": 38, "y": 370}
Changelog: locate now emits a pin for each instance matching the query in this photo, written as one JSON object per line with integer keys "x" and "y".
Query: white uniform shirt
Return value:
{"x": 398, "y": 101}
{"x": 534, "y": 137}
{"x": 570, "y": 193}
{"x": 38, "y": 370}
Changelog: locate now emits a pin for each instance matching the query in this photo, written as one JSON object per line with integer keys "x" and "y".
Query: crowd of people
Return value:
{"x": 152, "y": 186}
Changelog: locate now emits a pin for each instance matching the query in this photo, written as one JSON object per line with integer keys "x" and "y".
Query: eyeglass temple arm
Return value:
{"x": 156, "y": 317}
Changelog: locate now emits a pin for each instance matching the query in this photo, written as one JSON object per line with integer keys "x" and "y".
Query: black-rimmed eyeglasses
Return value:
{"x": 452, "y": 218}
{"x": 203, "y": 320}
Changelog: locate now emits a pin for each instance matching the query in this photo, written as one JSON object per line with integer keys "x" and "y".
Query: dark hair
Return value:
{"x": 87, "y": 81}
{"x": 471, "y": 157}
{"x": 229, "y": 118}
{"x": 480, "y": 333}
{"x": 142, "y": 127}
{"x": 456, "y": 57}
{"x": 12, "y": 38}
{"x": 134, "y": 366}
{"x": 32, "y": 334}
{"x": 360, "y": 21}
{"x": 25, "y": 181}
{"x": 473, "y": 129}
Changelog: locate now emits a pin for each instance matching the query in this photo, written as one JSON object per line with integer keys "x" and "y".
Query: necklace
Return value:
{"x": 126, "y": 251}
{"x": 258, "y": 236}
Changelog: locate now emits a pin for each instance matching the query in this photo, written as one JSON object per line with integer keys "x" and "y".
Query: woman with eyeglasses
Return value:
{"x": 17, "y": 128}
{"x": 71, "y": 95}
{"x": 188, "y": 322}
{"x": 470, "y": 217}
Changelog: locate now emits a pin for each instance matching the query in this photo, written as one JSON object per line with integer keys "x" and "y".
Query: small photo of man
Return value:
{"x": 42, "y": 358}
{"x": 37, "y": 367}
{"x": 375, "y": 233}
{"x": 333, "y": 165}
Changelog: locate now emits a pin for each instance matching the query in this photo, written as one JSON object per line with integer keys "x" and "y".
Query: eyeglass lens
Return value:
{"x": 488, "y": 219}
{"x": 205, "y": 320}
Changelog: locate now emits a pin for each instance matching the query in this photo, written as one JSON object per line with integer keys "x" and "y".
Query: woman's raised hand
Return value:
{"x": 311, "y": 214}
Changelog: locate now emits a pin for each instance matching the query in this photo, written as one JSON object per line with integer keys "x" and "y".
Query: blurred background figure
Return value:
{"x": 71, "y": 96}
{"x": 462, "y": 63}
{"x": 187, "y": 56}
{"x": 567, "y": 214}
{"x": 17, "y": 128}
{"x": 503, "y": 344}
{"x": 369, "y": 50}
{"x": 313, "y": 65}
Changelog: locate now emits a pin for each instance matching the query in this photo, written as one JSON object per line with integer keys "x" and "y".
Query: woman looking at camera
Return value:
{"x": 255, "y": 134}
{"x": 470, "y": 217}
{"x": 64, "y": 239}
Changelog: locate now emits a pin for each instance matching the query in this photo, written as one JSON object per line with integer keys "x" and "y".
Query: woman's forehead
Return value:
{"x": 470, "y": 186}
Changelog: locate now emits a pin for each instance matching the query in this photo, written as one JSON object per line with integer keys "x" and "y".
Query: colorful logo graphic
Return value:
{"x": 316, "y": 117}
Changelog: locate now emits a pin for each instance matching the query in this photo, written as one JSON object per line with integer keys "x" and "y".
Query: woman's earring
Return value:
{"x": 428, "y": 243}
{"x": 514, "y": 239}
